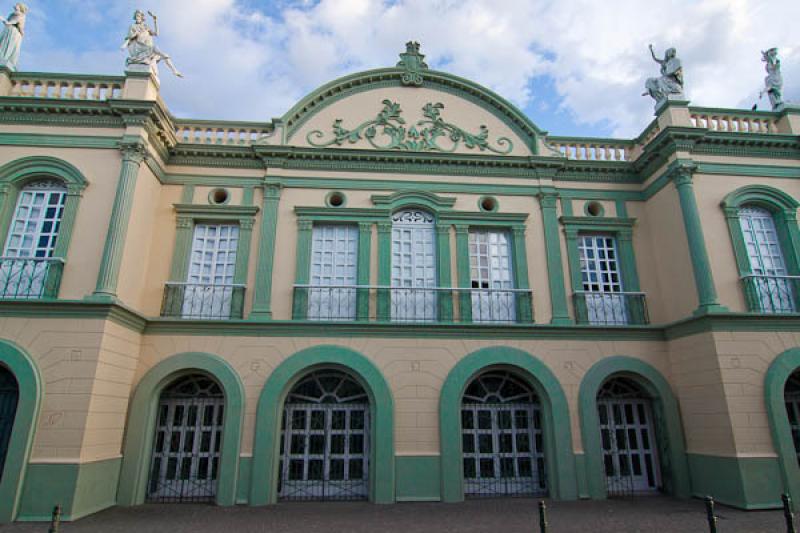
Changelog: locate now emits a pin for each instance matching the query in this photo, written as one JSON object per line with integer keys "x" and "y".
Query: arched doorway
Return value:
{"x": 502, "y": 444}
{"x": 9, "y": 396}
{"x": 791, "y": 398}
{"x": 628, "y": 438}
{"x": 324, "y": 448}
{"x": 184, "y": 466}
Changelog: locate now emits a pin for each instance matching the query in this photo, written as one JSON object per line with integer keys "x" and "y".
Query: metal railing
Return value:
{"x": 28, "y": 278}
{"x": 610, "y": 308}
{"x": 412, "y": 304}
{"x": 203, "y": 301}
{"x": 771, "y": 294}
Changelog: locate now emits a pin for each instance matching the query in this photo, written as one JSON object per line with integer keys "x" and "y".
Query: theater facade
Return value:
{"x": 401, "y": 290}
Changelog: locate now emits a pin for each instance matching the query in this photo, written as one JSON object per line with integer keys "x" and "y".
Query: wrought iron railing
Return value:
{"x": 771, "y": 294}
{"x": 30, "y": 277}
{"x": 610, "y": 308}
{"x": 412, "y": 304}
{"x": 203, "y": 301}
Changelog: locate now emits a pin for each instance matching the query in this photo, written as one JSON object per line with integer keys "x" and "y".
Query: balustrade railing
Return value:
{"x": 27, "y": 278}
{"x": 771, "y": 294}
{"x": 610, "y": 308}
{"x": 592, "y": 149}
{"x": 732, "y": 120}
{"x": 67, "y": 86}
{"x": 412, "y": 304}
{"x": 225, "y": 133}
{"x": 203, "y": 301}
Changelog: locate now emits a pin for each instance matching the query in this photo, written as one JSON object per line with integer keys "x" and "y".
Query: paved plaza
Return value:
{"x": 653, "y": 514}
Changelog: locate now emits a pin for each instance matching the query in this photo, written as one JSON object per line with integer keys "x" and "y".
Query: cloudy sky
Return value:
{"x": 576, "y": 67}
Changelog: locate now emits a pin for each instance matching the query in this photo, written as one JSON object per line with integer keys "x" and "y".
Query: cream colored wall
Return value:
{"x": 364, "y": 106}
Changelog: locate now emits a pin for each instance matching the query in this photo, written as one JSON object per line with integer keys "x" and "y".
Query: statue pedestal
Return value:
{"x": 5, "y": 81}
{"x": 141, "y": 83}
{"x": 673, "y": 112}
{"x": 790, "y": 118}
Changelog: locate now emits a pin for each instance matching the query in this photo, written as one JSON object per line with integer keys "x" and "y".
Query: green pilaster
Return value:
{"x": 362, "y": 269}
{"x": 445, "y": 299}
{"x": 243, "y": 250}
{"x": 622, "y": 208}
{"x": 305, "y": 229}
{"x": 704, "y": 280}
{"x": 573, "y": 258}
{"x": 463, "y": 270}
{"x": 555, "y": 268}
{"x": 247, "y": 196}
{"x": 183, "y": 245}
{"x": 187, "y": 194}
{"x": 74, "y": 193}
{"x": 7, "y": 199}
{"x": 627, "y": 260}
{"x": 133, "y": 154}
{"x": 384, "y": 268}
{"x": 523, "y": 300}
{"x": 262, "y": 295}
{"x": 790, "y": 239}
{"x": 739, "y": 247}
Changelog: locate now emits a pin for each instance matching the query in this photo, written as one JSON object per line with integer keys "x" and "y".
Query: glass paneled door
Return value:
{"x": 334, "y": 256}
{"x": 413, "y": 267}
{"x": 9, "y": 395}
{"x": 491, "y": 275}
{"x": 209, "y": 287}
{"x": 502, "y": 447}
{"x": 602, "y": 280}
{"x": 627, "y": 434}
{"x": 791, "y": 397}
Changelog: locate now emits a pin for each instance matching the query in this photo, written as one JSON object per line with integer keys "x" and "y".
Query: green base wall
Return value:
{"x": 243, "y": 484}
{"x": 580, "y": 472}
{"x": 418, "y": 478}
{"x": 743, "y": 482}
{"x": 80, "y": 489}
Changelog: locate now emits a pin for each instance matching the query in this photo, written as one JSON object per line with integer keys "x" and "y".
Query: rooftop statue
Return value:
{"x": 141, "y": 46}
{"x": 670, "y": 84}
{"x": 11, "y": 36}
{"x": 773, "y": 83}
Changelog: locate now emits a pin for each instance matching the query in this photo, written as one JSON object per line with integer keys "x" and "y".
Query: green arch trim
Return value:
{"x": 263, "y": 485}
{"x": 774, "y": 384}
{"x": 664, "y": 403}
{"x": 763, "y": 195}
{"x": 390, "y": 77}
{"x": 414, "y": 198}
{"x": 559, "y": 459}
{"x": 25, "y": 168}
{"x": 142, "y": 416}
{"x": 31, "y": 390}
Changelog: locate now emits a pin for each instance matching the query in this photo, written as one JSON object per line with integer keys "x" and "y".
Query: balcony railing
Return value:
{"x": 610, "y": 308}
{"x": 203, "y": 301}
{"x": 28, "y": 278}
{"x": 771, "y": 294}
{"x": 412, "y": 304}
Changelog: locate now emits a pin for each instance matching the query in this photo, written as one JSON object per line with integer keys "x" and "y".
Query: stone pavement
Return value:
{"x": 648, "y": 514}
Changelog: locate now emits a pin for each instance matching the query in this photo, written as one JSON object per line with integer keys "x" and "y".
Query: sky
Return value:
{"x": 575, "y": 67}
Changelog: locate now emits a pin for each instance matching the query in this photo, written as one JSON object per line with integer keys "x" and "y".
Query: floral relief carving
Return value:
{"x": 389, "y": 131}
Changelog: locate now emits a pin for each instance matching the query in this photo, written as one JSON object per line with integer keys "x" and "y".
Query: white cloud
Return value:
{"x": 249, "y": 64}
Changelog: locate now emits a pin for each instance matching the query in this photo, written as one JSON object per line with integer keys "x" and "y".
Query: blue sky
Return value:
{"x": 576, "y": 67}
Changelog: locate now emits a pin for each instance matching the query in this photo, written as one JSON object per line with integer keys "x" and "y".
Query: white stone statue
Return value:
{"x": 773, "y": 83}
{"x": 141, "y": 46}
{"x": 670, "y": 84}
{"x": 11, "y": 36}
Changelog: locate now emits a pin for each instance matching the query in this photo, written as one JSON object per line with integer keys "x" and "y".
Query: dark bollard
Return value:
{"x": 542, "y": 517}
{"x": 712, "y": 519}
{"x": 55, "y": 521}
{"x": 788, "y": 514}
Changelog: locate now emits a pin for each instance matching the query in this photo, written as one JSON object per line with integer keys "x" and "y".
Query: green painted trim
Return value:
{"x": 463, "y": 272}
{"x": 342, "y": 214}
{"x": 215, "y": 212}
{"x": 736, "y": 169}
{"x": 302, "y": 268}
{"x": 244, "y": 481}
{"x": 330, "y": 195}
{"x": 212, "y": 192}
{"x": 243, "y": 250}
{"x": 384, "y": 267}
{"x": 247, "y": 195}
{"x": 262, "y": 293}
{"x": 482, "y": 218}
{"x": 416, "y": 198}
{"x": 142, "y": 413}
{"x": 573, "y": 259}
{"x": 520, "y": 258}
{"x": 418, "y": 478}
{"x": 748, "y": 483}
{"x": 555, "y": 266}
{"x": 604, "y": 224}
{"x": 183, "y": 247}
{"x": 669, "y": 430}
{"x": 494, "y": 203}
{"x": 50, "y": 140}
{"x": 263, "y": 489}
{"x": 559, "y": 459}
{"x": 363, "y": 269}
{"x": 621, "y": 208}
{"x": 586, "y": 209}
{"x": 783, "y": 366}
{"x": 443, "y": 274}
{"x": 566, "y": 205}
{"x": 187, "y": 194}
{"x": 31, "y": 391}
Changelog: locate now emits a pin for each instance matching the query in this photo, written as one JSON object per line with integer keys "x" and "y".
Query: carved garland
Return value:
{"x": 424, "y": 136}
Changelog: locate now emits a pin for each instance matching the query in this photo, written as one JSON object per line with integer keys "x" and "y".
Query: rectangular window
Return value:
{"x": 334, "y": 260}
{"x": 491, "y": 276}
{"x": 413, "y": 267}
{"x": 601, "y": 279}
{"x": 209, "y": 285}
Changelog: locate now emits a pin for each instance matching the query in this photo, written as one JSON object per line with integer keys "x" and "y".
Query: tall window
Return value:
{"x": 31, "y": 239}
{"x": 334, "y": 256}
{"x": 602, "y": 281}
{"x": 769, "y": 279}
{"x": 209, "y": 285}
{"x": 491, "y": 276}
{"x": 413, "y": 266}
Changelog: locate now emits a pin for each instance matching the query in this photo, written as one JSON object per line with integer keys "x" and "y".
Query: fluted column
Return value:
{"x": 262, "y": 296}
{"x": 555, "y": 265}
{"x": 133, "y": 154}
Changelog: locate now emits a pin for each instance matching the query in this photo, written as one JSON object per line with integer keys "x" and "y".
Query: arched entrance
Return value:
{"x": 324, "y": 450}
{"x": 791, "y": 398}
{"x": 9, "y": 396}
{"x": 628, "y": 438}
{"x": 501, "y": 430}
{"x": 188, "y": 438}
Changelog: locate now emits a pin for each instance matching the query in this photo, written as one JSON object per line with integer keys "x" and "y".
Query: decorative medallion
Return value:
{"x": 413, "y": 63}
{"x": 424, "y": 136}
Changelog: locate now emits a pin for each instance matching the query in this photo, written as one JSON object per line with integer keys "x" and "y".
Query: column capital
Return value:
{"x": 184, "y": 222}
{"x": 272, "y": 189}
{"x": 133, "y": 151}
{"x": 518, "y": 229}
{"x": 246, "y": 223}
{"x": 548, "y": 199}
{"x": 305, "y": 224}
{"x": 625, "y": 234}
{"x": 462, "y": 229}
{"x": 682, "y": 173}
{"x": 731, "y": 212}
{"x": 364, "y": 226}
{"x": 442, "y": 229}
{"x": 384, "y": 227}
